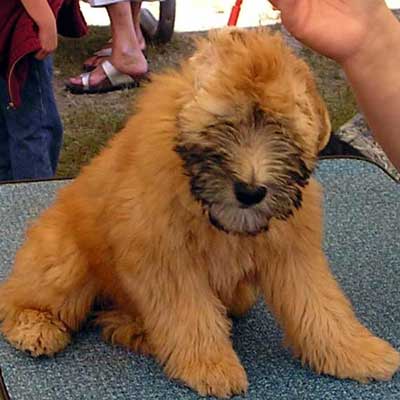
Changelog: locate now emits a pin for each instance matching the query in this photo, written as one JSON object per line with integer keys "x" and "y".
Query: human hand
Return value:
{"x": 335, "y": 28}
{"x": 48, "y": 37}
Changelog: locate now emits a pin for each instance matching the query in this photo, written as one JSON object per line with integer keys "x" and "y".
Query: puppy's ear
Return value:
{"x": 203, "y": 105}
{"x": 204, "y": 65}
{"x": 211, "y": 53}
{"x": 325, "y": 123}
{"x": 322, "y": 114}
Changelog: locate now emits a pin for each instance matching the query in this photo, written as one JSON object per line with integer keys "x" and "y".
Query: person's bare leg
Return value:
{"x": 136, "y": 6}
{"x": 126, "y": 56}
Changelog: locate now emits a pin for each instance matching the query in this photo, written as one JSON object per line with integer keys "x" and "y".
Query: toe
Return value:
{"x": 76, "y": 80}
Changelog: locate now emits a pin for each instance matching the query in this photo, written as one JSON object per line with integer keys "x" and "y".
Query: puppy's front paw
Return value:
{"x": 36, "y": 332}
{"x": 375, "y": 359}
{"x": 363, "y": 359}
{"x": 221, "y": 378}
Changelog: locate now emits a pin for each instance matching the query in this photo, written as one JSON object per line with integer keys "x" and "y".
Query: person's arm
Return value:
{"x": 363, "y": 36}
{"x": 374, "y": 74}
{"x": 41, "y": 13}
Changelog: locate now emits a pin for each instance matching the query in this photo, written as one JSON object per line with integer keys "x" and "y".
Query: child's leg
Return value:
{"x": 5, "y": 165}
{"x": 53, "y": 115}
{"x": 35, "y": 130}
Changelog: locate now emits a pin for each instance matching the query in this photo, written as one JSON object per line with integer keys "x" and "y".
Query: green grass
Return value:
{"x": 333, "y": 88}
{"x": 89, "y": 121}
{"x": 86, "y": 132}
{"x": 71, "y": 52}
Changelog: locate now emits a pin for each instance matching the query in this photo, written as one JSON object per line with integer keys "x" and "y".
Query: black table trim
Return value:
{"x": 3, "y": 389}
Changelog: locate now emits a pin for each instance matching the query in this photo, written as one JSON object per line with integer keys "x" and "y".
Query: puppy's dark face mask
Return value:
{"x": 249, "y": 129}
{"x": 246, "y": 170}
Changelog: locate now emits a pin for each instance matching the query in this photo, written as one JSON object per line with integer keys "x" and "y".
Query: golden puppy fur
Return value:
{"x": 202, "y": 201}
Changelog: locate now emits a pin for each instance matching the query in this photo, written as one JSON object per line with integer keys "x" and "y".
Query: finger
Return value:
{"x": 282, "y": 4}
{"x": 41, "y": 54}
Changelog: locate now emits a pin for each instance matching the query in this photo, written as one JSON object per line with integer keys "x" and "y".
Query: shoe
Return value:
{"x": 105, "y": 52}
{"x": 114, "y": 80}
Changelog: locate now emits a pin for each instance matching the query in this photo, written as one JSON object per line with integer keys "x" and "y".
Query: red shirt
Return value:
{"x": 19, "y": 37}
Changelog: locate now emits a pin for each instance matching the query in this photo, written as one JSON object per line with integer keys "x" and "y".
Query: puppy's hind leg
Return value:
{"x": 122, "y": 329}
{"x": 48, "y": 294}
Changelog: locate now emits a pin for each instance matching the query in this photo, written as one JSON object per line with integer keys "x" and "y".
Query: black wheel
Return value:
{"x": 159, "y": 30}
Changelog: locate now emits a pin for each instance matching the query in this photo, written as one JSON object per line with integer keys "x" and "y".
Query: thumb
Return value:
{"x": 283, "y": 4}
{"x": 41, "y": 55}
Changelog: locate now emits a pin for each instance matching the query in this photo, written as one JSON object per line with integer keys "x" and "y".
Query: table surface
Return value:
{"x": 362, "y": 208}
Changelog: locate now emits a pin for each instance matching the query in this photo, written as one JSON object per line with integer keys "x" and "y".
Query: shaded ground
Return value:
{"x": 90, "y": 120}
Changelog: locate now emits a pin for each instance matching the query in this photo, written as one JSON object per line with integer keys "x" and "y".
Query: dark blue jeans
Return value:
{"x": 31, "y": 135}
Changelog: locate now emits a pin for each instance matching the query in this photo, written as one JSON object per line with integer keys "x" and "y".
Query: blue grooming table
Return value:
{"x": 362, "y": 241}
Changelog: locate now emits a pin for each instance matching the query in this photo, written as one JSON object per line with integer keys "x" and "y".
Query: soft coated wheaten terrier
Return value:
{"x": 203, "y": 200}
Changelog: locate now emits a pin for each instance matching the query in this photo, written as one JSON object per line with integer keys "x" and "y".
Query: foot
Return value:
{"x": 362, "y": 358}
{"x": 372, "y": 359}
{"x": 36, "y": 332}
{"x": 121, "y": 329}
{"x": 221, "y": 379}
{"x": 221, "y": 376}
{"x": 133, "y": 64}
{"x": 105, "y": 53}
{"x": 140, "y": 38}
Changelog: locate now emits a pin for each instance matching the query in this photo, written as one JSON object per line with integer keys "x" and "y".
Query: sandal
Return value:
{"x": 115, "y": 80}
{"x": 105, "y": 52}
{"x": 91, "y": 63}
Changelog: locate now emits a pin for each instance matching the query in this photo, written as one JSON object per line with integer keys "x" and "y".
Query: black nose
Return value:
{"x": 249, "y": 194}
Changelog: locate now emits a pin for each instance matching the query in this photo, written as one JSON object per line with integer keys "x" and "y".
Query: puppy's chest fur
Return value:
{"x": 227, "y": 259}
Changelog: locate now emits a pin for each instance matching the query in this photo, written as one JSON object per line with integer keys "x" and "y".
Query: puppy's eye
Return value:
{"x": 259, "y": 116}
{"x": 215, "y": 158}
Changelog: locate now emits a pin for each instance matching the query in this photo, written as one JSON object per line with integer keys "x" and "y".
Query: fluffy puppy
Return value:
{"x": 203, "y": 200}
